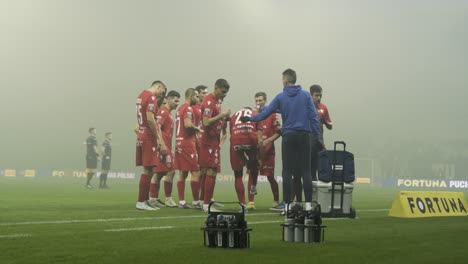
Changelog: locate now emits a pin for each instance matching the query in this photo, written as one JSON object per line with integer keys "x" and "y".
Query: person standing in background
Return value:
{"x": 324, "y": 119}
{"x": 106, "y": 160}
{"x": 92, "y": 156}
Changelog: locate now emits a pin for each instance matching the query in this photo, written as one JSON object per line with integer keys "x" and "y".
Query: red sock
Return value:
{"x": 143, "y": 187}
{"x": 273, "y": 185}
{"x": 239, "y": 185}
{"x": 249, "y": 185}
{"x": 210, "y": 182}
{"x": 202, "y": 183}
{"x": 153, "y": 193}
{"x": 195, "y": 190}
{"x": 181, "y": 190}
{"x": 168, "y": 189}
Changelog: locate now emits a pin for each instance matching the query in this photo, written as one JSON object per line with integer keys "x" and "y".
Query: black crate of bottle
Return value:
{"x": 226, "y": 230}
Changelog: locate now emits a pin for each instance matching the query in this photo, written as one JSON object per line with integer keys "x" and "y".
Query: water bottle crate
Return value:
{"x": 303, "y": 233}
{"x": 226, "y": 229}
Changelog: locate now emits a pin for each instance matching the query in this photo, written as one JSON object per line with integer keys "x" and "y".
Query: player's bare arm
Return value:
{"x": 189, "y": 125}
{"x": 210, "y": 121}
{"x": 223, "y": 137}
{"x": 161, "y": 145}
{"x": 136, "y": 129}
{"x": 156, "y": 131}
{"x": 271, "y": 139}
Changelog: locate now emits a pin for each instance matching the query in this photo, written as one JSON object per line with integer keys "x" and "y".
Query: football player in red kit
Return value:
{"x": 186, "y": 156}
{"x": 149, "y": 139}
{"x": 165, "y": 167}
{"x": 243, "y": 150}
{"x": 213, "y": 122}
{"x": 268, "y": 131}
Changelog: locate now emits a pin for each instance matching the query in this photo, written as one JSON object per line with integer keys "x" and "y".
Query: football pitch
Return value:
{"x": 57, "y": 220}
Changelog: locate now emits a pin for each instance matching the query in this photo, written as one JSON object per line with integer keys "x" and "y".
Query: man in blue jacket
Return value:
{"x": 300, "y": 132}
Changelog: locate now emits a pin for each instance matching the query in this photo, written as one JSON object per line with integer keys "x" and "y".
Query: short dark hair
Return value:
{"x": 107, "y": 133}
{"x": 315, "y": 89}
{"x": 261, "y": 94}
{"x": 200, "y": 88}
{"x": 173, "y": 93}
{"x": 222, "y": 83}
{"x": 290, "y": 76}
{"x": 189, "y": 92}
{"x": 91, "y": 129}
{"x": 156, "y": 83}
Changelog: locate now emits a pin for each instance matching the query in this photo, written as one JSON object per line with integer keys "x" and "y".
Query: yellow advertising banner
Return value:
{"x": 30, "y": 173}
{"x": 10, "y": 173}
{"x": 410, "y": 204}
{"x": 363, "y": 180}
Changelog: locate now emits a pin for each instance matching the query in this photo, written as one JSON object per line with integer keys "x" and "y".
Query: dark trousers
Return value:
{"x": 296, "y": 161}
{"x": 315, "y": 148}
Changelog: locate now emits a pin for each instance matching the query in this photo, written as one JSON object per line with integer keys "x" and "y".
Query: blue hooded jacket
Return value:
{"x": 297, "y": 111}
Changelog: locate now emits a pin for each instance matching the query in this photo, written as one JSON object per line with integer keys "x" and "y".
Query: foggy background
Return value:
{"x": 394, "y": 73}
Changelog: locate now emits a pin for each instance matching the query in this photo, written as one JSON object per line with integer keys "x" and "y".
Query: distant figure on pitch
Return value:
{"x": 106, "y": 160}
{"x": 92, "y": 156}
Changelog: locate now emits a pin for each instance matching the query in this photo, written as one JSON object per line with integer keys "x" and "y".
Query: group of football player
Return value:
{"x": 201, "y": 129}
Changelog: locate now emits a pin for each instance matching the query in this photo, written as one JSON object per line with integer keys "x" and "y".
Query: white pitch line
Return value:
{"x": 138, "y": 228}
{"x": 15, "y": 235}
{"x": 77, "y": 221}
{"x": 263, "y": 222}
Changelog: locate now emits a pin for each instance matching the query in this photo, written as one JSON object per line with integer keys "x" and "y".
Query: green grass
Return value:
{"x": 34, "y": 207}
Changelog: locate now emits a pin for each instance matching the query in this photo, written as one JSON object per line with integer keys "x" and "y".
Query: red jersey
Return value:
{"x": 211, "y": 107}
{"x": 166, "y": 122}
{"x": 146, "y": 102}
{"x": 269, "y": 127}
{"x": 197, "y": 114}
{"x": 242, "y": 133}
{"x": 322, "y": 111}
{"x": 184, "y": 136}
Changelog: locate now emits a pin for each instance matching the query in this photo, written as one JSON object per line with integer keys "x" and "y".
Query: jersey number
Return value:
{"x": 241, "y": 113}
{"x": 139, "y": 115}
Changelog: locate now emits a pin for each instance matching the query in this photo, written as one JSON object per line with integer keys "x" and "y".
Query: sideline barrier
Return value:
{"x": 414, "y": 204}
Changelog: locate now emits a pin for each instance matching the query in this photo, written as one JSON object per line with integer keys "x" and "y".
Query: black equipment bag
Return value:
{"x": 336, "y": 165}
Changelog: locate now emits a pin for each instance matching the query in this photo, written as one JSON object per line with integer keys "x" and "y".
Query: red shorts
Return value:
{"x": 268, "y": 164}
{"x": 186, "y": 158}
{"x": 165, "y": 162}
{"x": 146, "y": 153}
{"x": 242, "y": 155}
{"x": 209, "y": 157}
